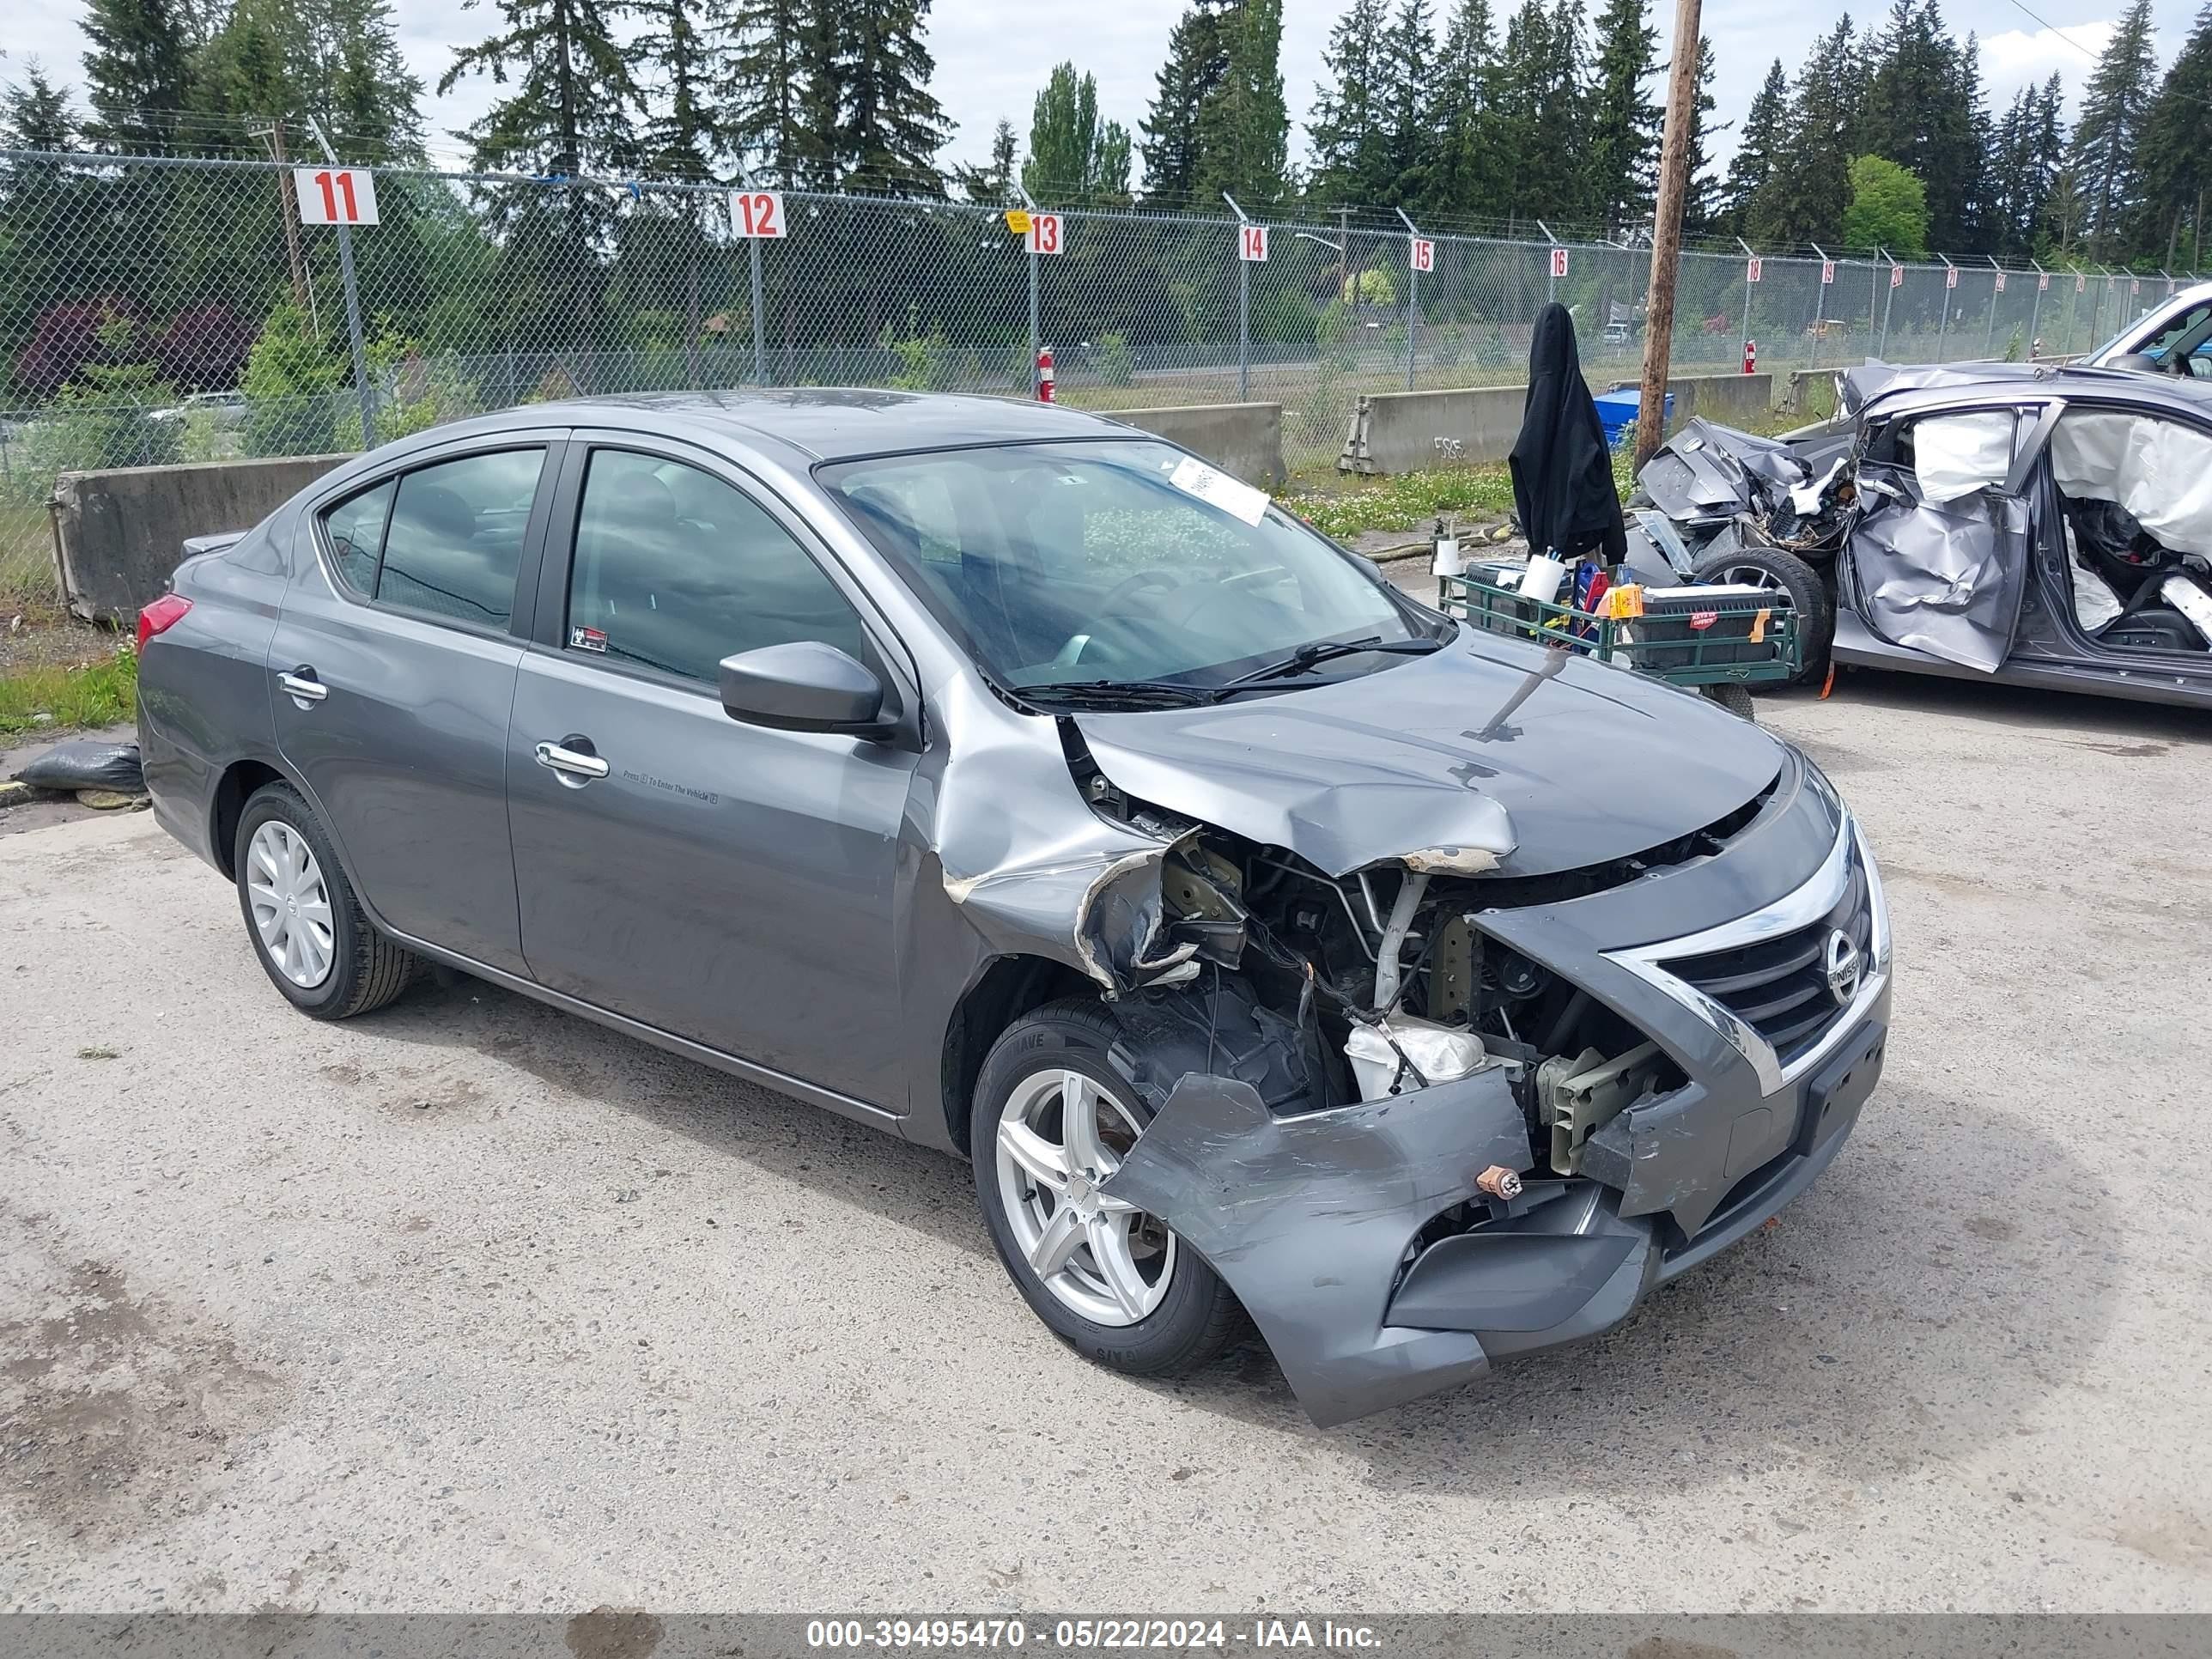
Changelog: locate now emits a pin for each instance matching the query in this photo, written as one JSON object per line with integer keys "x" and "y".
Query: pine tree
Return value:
{"x": 1972, "y": 152}
{"x": 1408, "y": 105}
{"x": 1541, "y": 126}
{"x": 138, "y": 75}
{"x": 1349, "y": 127}
{"x": 369, "y": 102}
{"x": 893, "y": 126}
{"x": 1197, "y": 60}
{"x": 1699, "y": 209}
{"x": 1765, "y": 140}
{"x": 1622, "y": 153}
{"x": 1464, "y": 179}
{"x": 993, "y": 184}
{"x": 572, "y": 107}
{"x": 1923, "y": 112}
{"x": 35, "y": 113}
{"x": 2107, "y": 158}
{"x": 1073, "y": 156}
{"x": 2176, "y": 160}
{"x": 674, "y": 60}
{"x": 762, "y": 91}
{"x": 1244, "y": 128}
{"x": 1810, "y": 187}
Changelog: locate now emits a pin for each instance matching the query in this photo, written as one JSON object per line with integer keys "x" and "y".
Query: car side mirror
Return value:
{"x": 805, "y": 686}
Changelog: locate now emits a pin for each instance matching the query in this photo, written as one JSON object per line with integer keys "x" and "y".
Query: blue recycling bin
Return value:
{"x": 1616, "y": 412}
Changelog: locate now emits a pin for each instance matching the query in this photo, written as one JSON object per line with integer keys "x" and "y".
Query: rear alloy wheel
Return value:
{"x": 314, "y": 941}
{"x": 1053, "y": 1122}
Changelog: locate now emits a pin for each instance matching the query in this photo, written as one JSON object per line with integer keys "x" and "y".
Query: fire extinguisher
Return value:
{"x": 1751, "y": 357}
{"x": 1044, "y": 374}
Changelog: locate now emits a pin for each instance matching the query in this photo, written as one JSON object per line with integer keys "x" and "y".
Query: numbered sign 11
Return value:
{"x": 1044, "y": 233}
{"x": 1252, "y": 243}
{"x": 335, "y": 196}
{"x": 757, "y": 212}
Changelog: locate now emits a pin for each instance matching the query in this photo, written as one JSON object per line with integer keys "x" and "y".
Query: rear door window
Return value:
{"x": 355, "y": 529}
{"x": 456, "y": 537}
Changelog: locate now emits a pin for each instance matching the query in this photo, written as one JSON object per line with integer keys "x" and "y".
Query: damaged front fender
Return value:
{"x": 1308, "y": 1219}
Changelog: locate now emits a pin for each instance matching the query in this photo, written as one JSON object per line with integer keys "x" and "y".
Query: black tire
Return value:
{"x": 1808, "y": 593}
{"x": 1735, "y": 699}
{"x": 1199, "y": 1316}
{"x": 367, "y": 970}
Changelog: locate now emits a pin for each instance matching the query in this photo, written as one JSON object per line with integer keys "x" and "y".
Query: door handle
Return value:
{"x": 302, "y": 687}
{"x": 571, "y": 766}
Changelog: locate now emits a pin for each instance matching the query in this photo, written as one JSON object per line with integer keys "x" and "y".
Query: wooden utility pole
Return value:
{"x": 1666, "y": 229}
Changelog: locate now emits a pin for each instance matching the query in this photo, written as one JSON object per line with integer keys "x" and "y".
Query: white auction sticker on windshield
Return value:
{"x": 1217, "y": 488}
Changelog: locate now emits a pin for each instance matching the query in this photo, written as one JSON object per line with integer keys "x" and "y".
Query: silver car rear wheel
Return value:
{"x": 290, "y": 903}
{"x": 1059, "y": 1137}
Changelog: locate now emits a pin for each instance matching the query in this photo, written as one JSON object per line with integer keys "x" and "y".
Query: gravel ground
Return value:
{"x": 471, "y": 1305}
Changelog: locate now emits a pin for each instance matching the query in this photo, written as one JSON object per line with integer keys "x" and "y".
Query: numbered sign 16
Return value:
{"x": 335, "y": 196}
{"x": 1827, "y": 273}
{"x": 1252, "y": 243}
{"x": 1751, "y": 269}
{"x": 1559, "y": 262}
{"x": 756, "y": 212}
{"x": 1420, "y": 254}
{"x": 1044, "y": 233}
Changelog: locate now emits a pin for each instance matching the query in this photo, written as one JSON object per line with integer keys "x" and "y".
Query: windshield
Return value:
{"x": 1062, "y": 563}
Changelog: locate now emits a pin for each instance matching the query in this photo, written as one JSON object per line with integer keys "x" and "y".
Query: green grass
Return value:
{"x": 99, "y": 693}
{"x": 27, "y": 555}
{"x": 1342, "y": 507}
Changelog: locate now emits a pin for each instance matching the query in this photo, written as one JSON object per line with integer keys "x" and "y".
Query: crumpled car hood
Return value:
{"x": 1596, "y": 763}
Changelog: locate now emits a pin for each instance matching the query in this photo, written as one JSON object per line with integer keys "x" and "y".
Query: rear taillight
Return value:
{"x": 164, "y": 613}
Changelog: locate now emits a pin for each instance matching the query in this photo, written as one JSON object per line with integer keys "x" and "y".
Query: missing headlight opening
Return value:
{"x": 1384, "y": 981}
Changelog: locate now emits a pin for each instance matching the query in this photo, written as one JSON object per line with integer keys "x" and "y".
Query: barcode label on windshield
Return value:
{"x": 1217, "y": 488}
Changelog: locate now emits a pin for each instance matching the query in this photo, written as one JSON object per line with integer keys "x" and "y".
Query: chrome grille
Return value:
{"x": 1779, "y": 986}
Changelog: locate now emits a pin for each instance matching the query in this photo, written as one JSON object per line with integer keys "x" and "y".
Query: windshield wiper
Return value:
{"x": 1159, "y": 694}
{"x": 1321, "y": 651}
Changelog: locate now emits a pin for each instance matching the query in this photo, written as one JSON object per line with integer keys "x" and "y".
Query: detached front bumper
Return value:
{"x": 1310, "y": 1219}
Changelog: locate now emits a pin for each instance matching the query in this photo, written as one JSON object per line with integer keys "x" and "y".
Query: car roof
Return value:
{"x": 823, "y": 423}
{"x": 1935, "y": 386}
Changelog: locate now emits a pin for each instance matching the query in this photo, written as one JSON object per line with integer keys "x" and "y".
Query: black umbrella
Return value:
{"x": 1563, "y": 484}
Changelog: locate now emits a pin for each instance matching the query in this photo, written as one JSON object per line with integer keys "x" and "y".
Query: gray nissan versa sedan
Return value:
{"x": 1002, "y": 776}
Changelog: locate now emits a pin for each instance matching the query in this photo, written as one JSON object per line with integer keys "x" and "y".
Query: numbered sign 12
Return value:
{"x": 335, "y": 196}
{"x": 1044, "y": 233}
{"x": 1559, "y": 262}
{"x": 1420, "y": 253}
{"x": 1252, "y": 243}
{"x": 756, "y": 212}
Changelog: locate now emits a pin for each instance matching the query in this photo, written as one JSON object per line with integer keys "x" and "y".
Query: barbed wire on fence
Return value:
{"x": 154, "y": 309}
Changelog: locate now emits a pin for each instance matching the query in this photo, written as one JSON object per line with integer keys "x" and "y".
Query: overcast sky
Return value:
{"x": 992, "y": 55}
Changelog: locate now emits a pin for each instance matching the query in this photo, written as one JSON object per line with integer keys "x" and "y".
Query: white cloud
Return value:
{"x": 2022, "y": 58}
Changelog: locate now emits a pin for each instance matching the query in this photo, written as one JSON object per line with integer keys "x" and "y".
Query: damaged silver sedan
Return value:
{"x": 2026, "y": 525}
{"x": 996, "y": 775}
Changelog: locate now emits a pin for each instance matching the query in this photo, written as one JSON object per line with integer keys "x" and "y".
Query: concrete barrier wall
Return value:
{"x": 120, "y": 534}
{"x": 1245, "y": 440}
{"x": 1416, "y": 431}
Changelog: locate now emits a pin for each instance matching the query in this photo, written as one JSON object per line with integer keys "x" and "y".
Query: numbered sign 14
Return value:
{"x": 757, "y": 212}
{"x": 335, "y": 196}
{"x": 1252, "y": 243}
{"x": 1044, "y": 233}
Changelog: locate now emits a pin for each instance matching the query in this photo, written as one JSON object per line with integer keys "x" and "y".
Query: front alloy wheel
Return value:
{"x": 1059, "y": 1138}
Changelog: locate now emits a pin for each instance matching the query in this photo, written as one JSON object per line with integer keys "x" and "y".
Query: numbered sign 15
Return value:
{"x": 1559, "y": 262}
{"x": 1420, "y": 254}
{"x": 756, "y": 212}
{"x": 1044, "y": 233}
{"x": 335, "y": 196}
{"x": 1252, "y": 243}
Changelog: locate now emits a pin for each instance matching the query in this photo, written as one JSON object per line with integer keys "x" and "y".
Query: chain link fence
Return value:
{"x": 161, "y": 310}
